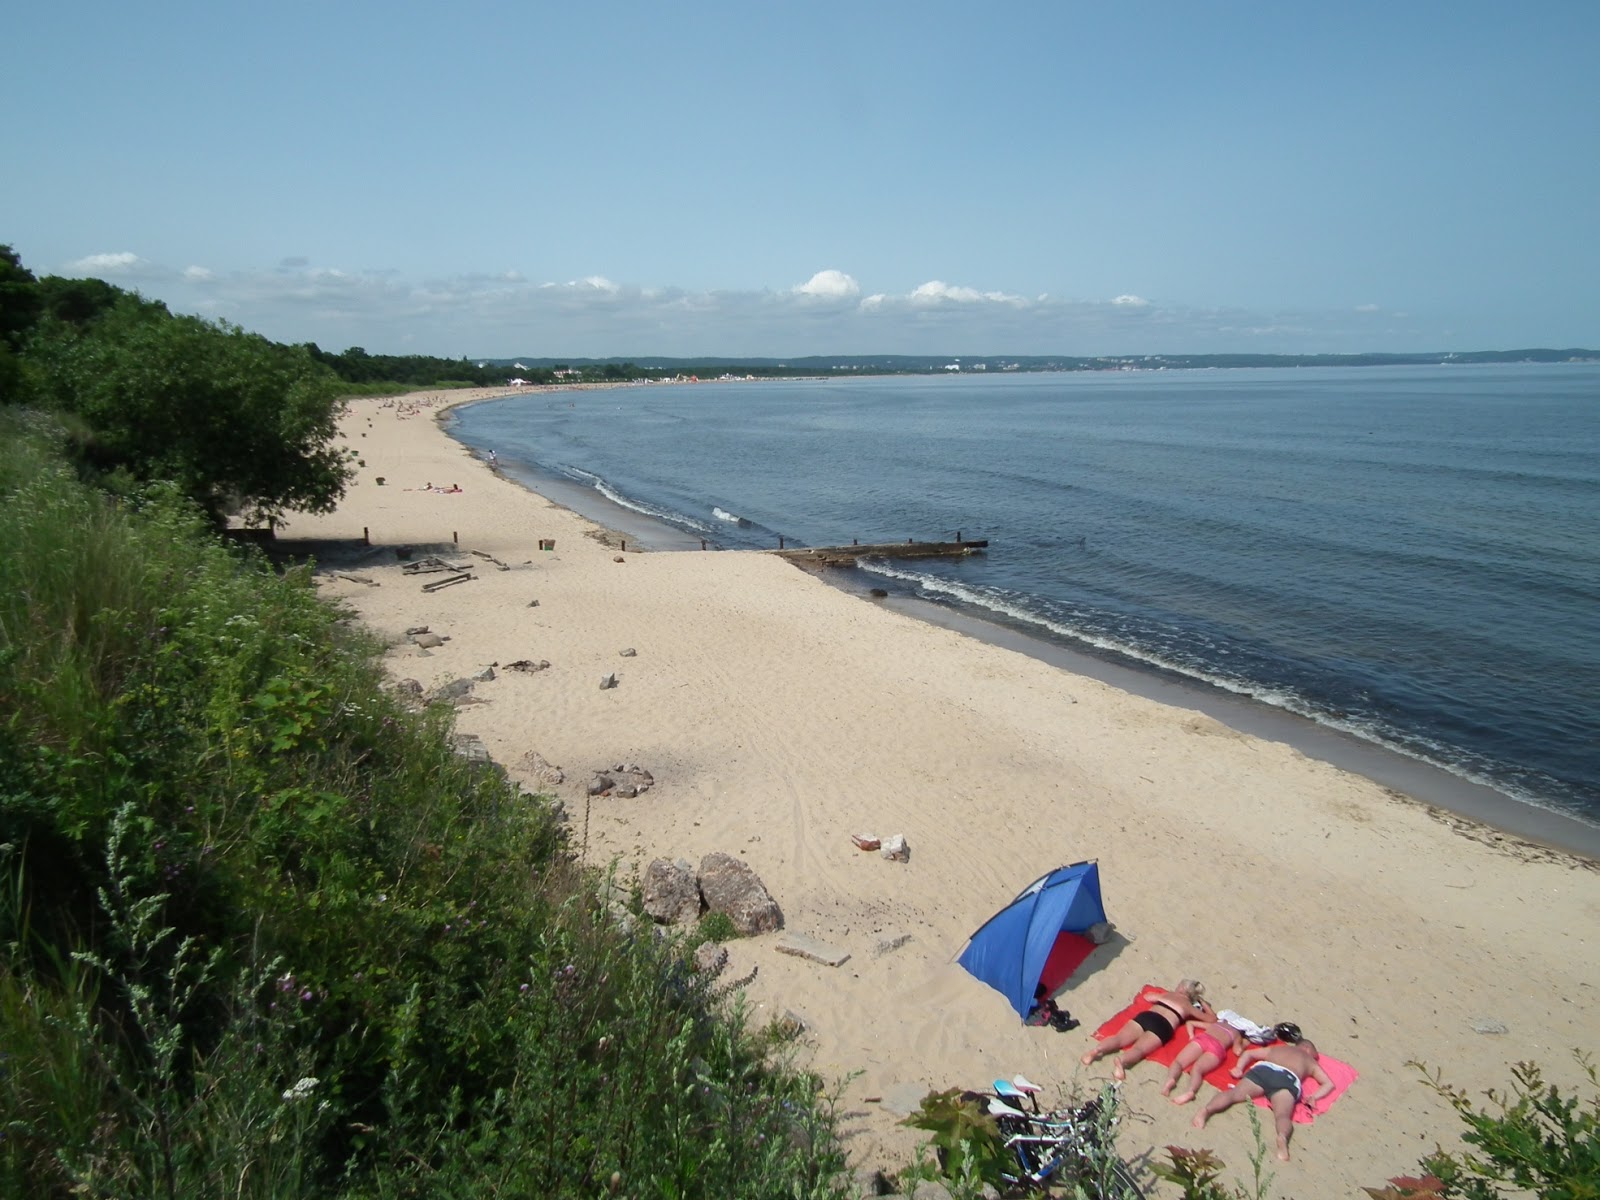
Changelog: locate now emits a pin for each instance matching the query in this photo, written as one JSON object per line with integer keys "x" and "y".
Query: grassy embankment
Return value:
{"x": 263, "y": 933}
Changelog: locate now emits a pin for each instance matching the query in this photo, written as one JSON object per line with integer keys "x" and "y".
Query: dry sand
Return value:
{"x": 779, "y": 715}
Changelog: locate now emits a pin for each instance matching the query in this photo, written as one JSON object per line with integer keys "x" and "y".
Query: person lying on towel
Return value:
{"x": 1209, "y": 1044}
{"x": 1148, "y": 1031}
{"x": 1278, "y": 1072}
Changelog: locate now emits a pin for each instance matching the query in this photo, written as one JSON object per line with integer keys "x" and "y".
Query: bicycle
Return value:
{"x": 1071, "y": 1146}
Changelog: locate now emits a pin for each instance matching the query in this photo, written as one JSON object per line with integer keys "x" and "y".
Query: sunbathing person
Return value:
{"x": 1148, "y": 1031}
{"x": 1277, "y": 1072}
{"x": 1209, "y": 1044}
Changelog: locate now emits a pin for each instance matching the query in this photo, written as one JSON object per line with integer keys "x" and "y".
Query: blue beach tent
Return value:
{"x": 1038, "y": 937}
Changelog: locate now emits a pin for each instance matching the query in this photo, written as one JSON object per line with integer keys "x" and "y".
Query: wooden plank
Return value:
{"x": 444, "y": 583}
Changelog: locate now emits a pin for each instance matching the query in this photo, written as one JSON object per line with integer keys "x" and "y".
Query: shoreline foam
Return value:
{"x": 780, "y": 715}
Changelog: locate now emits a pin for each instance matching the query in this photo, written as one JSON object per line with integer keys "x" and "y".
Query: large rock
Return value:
{"x": 671, "y": 892}
{"x": 730, "y": 886}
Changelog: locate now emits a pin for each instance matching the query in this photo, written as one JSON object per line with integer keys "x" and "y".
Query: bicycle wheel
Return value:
{"x": 1121, "y": 1184}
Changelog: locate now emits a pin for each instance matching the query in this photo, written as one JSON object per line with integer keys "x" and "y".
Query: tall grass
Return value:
{"x": 262, "y": 933}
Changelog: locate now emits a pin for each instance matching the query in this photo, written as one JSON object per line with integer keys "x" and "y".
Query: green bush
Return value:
{"x": 1531, "y": 1140}
{"x": 263, "y": 933}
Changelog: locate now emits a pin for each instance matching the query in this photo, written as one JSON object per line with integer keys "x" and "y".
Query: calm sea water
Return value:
{"x": 1410, "y": 555}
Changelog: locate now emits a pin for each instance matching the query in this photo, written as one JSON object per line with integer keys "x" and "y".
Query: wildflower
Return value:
{"x": 302, "y": 1088}
{"x": 305, "y": 995}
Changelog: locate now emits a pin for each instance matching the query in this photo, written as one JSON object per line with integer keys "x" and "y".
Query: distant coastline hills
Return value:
{"x": 922, "y": 364}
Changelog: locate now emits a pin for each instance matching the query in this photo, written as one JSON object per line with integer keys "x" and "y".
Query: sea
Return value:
{"x": 1403, "y": 563}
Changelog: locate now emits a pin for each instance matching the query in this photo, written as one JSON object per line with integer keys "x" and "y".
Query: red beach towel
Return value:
{"x": 1221, "y": 1078}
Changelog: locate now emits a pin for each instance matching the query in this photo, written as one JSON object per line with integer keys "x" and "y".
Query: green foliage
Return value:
{"x": 263, "y": 933}
{"x": 236, "y": 422}
{"x": 1531, "y": 1139}
{"x": 965, "y": 1138}
{"x": 715, "y": 927}
{"x": 20, "y": 301}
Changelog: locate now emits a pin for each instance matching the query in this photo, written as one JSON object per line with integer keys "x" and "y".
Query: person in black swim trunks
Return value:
{"x": 1147, "y": 1031}
{"x": 1277, "y": 1072}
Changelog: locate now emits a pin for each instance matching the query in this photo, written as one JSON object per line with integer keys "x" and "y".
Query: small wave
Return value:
{"x": 1450, "y": 759}
{"x": 723, "y": 514}
{"x": 681, "y": 520}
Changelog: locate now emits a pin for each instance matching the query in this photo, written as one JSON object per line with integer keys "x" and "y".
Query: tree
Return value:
{"x": 240, "y": 423}
{"x": 20, "y": 302}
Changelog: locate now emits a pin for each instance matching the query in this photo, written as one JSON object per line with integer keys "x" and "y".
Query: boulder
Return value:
{"x": 730, "y": 886}
{"x": 671, "y": 892}
{"x": 895, "y": 848}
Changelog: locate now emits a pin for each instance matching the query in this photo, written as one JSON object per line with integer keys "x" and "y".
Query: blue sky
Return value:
{"x": 491, "y": 178}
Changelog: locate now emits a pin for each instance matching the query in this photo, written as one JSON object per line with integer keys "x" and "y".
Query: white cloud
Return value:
{"x": 829, "y": 285}
{"x": 106, "y": 264}
{"x": 1366, "y": 308}
{"x": 503, "y": 313}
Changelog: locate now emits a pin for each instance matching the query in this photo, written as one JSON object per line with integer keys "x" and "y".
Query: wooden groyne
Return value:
{"x": 846, "y": 556}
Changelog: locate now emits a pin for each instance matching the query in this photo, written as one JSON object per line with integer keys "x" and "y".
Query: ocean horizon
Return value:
{"x": 1407, "y": 558}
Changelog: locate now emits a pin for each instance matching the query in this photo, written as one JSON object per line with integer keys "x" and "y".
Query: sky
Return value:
{"x": 499, "y": 178}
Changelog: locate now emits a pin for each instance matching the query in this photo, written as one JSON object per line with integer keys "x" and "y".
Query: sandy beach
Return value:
{"x": 780, "y": 715}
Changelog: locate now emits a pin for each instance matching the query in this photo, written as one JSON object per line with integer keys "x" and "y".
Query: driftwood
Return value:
{"x": 446, "y": 582}
{"x": 429, "y": 566}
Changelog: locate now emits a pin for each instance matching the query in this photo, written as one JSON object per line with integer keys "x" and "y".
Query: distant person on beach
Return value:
{"x": 1209, "y": 1044}
{"x": 1278, "y": 1072}
{"x": 1147, "y": 1031}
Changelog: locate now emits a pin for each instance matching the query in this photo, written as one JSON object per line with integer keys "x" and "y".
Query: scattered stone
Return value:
{"x": 528, "y": 665}
{"x": 618, "y": 558}
{"x": 671, "y": 892}
{"x": 600, "y": 785}
{"x": 484, "y": 676}
{"x": 607, "y": 682}
{"x": 804, "y": 946}
{"x": 730, "y": 886}
{"x": 624, "y": 920}
{"x": 626, "y": 780}
{"x": 455, "y": 690}
{"x": 544, "y": 771}
{"x": 533, "y": 604}
{"x": 470, "y": 747}
{"x": 865, "y": 841}
{"x": 888, "y": 943}
{"x": 790, "y": 1024}
{"x": 409, "y": 687}
{"x": 428, "y": 641}
{"x": 895, "y": 848}
{"x": 1100, "y": 932}
{"x": 880, "y": 593}
{"x": 710, "y": 959}
{"x": 630, "y": 652}
{"x": 416, "y": 629}
{"x": 1488, "y": 1025}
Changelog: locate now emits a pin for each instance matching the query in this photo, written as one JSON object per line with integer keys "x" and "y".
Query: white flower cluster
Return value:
{"x": 301, "y": 1089}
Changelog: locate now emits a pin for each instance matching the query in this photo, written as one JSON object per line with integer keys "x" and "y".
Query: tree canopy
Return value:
{"x": 240, "y": 423}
